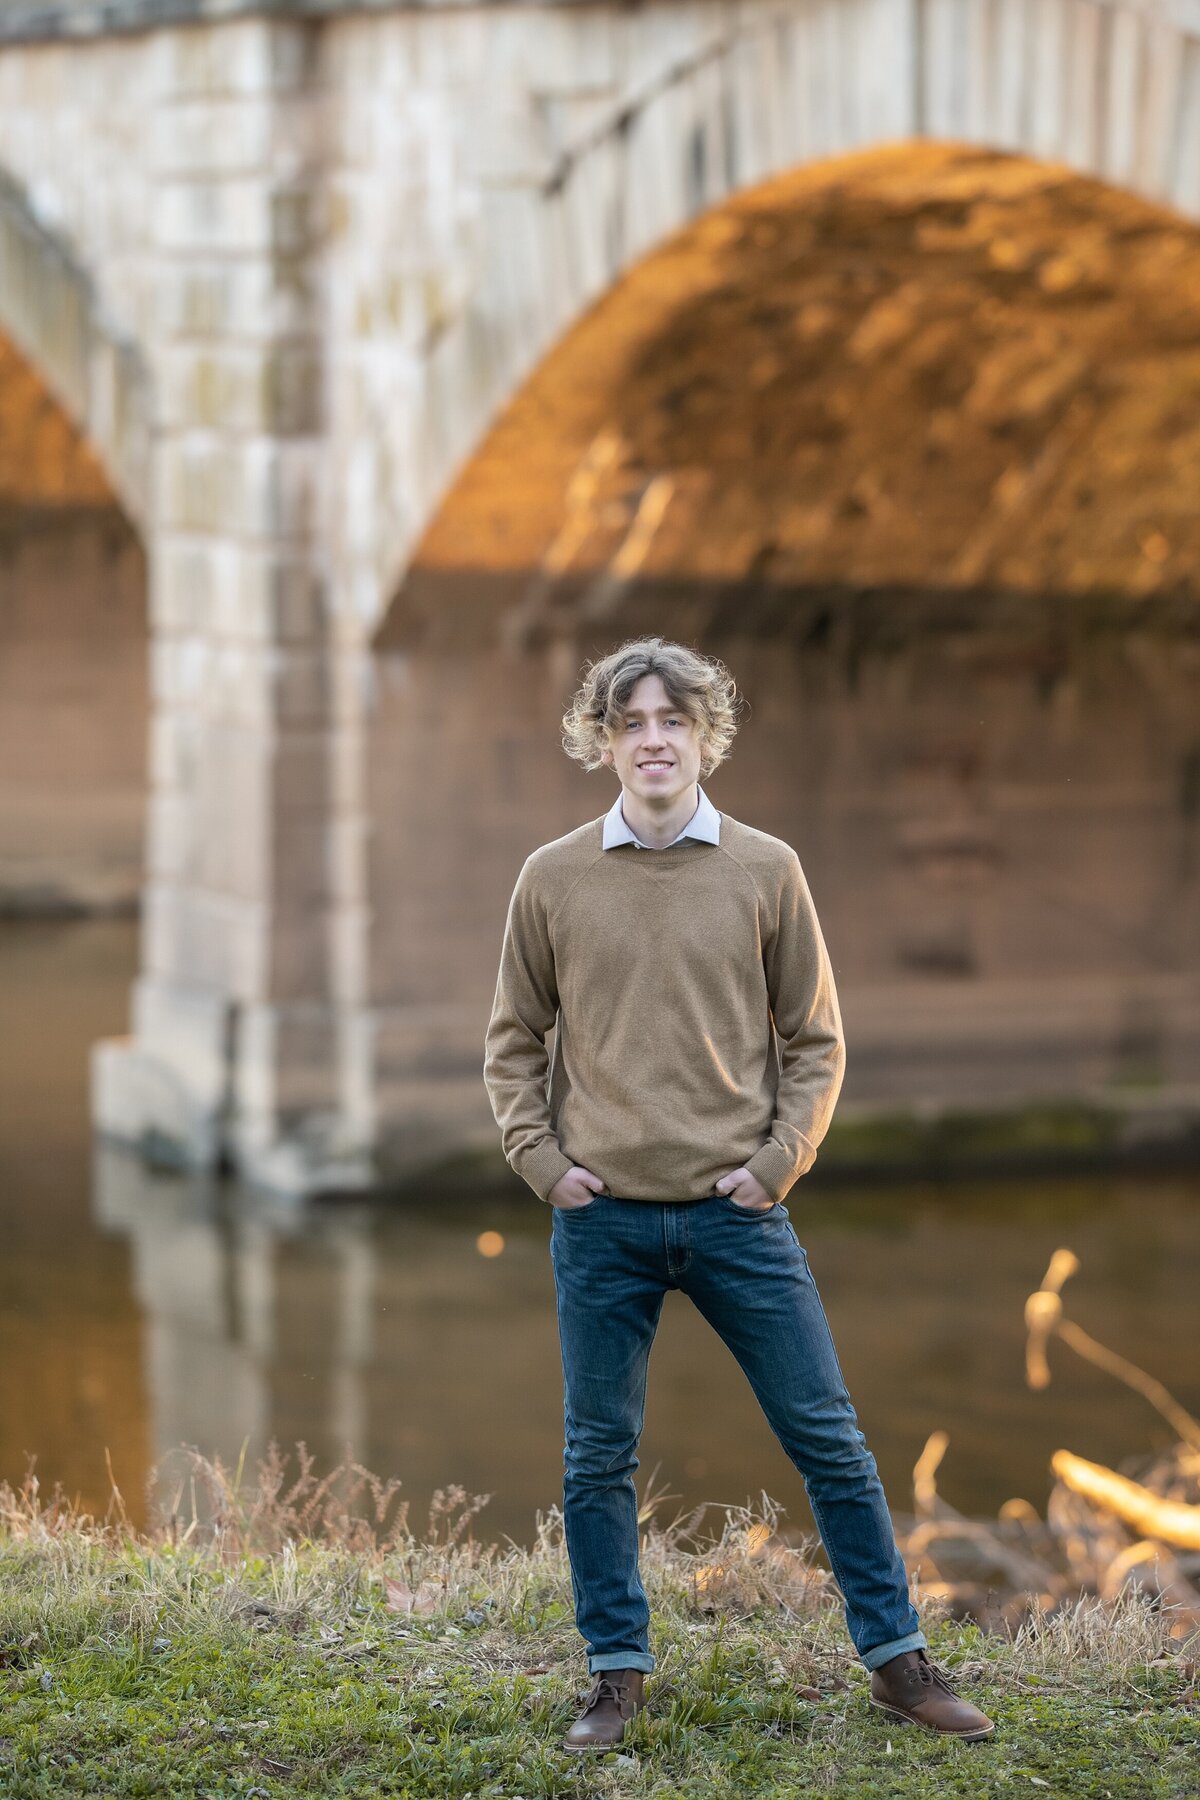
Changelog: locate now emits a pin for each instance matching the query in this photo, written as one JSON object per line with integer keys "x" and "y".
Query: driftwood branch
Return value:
{"x": 1092, "y": 1514}
{"x": 1044, "y": 1320}
{"x": 1169, "y": 1521}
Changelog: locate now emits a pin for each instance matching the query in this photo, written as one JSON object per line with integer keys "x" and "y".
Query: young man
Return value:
{"x": 697, "y": 1062}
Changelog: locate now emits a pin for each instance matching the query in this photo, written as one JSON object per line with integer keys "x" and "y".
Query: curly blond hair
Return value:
{"x": 700, "y": 686}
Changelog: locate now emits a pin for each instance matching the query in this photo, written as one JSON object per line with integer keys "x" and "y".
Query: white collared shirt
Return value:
{"x": 704, "y": 824}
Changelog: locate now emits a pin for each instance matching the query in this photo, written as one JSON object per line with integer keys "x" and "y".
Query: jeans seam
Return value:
{"x": 829, "y": 1549}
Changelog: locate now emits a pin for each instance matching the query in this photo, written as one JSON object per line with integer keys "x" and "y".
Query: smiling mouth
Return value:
{"x": 656, "y": 766}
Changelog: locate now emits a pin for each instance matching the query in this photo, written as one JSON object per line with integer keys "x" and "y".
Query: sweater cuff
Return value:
{"x": 543, "y": 1167}
{"x": 775, "y": 1170}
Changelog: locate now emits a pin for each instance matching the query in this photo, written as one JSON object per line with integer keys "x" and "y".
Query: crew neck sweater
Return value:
{"x": 697, "y": 1021}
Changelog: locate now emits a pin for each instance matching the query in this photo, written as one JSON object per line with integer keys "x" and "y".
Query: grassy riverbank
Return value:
{"x": 288, "y": 1647}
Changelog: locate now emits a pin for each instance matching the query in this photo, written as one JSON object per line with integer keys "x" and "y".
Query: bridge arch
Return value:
{"x": 636, "y": 133}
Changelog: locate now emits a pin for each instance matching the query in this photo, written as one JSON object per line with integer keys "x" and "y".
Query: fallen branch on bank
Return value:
{"x": 997, "y": 1572}
{"x": 1172, "y": 1522}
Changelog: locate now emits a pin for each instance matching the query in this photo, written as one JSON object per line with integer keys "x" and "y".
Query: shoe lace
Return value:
{"x": 931, "y": 1675}
{"x": 606, "y": 1689}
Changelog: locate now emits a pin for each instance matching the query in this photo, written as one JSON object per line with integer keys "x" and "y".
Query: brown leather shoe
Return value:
{"x": 911, "y": 1688}
{"x": 616, "y": 1695}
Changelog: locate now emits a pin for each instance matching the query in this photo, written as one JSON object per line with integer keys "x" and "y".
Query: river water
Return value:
{"x": 139, "y": 1312}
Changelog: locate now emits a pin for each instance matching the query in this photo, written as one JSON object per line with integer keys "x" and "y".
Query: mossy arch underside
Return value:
{"x": 1102, "y": 88}
{"x": 923, "y": 369}
{"x": 51, "y": 314}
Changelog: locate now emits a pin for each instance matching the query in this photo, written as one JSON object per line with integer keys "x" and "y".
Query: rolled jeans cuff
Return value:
{"x": 622, "y": 1659}
{"x": 875, "y": 1659}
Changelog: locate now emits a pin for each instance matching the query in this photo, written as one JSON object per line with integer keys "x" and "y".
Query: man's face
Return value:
{"x": 655, "y": 749}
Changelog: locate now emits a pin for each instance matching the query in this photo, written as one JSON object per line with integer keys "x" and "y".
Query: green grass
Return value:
{"x": 205, "y": 1664}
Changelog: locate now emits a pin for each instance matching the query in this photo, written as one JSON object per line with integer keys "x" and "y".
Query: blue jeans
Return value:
{"x": 614, "y": 1260}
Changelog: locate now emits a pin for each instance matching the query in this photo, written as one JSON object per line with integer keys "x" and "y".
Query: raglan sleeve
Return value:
{"x": 516, "y": 1061}
{"x": 808, "y": 1021}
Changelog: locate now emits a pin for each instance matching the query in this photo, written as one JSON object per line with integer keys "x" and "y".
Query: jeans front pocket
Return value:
{"x": 586, "y": 1207}
{"x": 750, "y": 1212}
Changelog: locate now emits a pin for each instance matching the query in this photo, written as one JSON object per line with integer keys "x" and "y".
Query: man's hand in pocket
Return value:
{"x": 744, "y": 1189}
{"x": 578, "y": 1187}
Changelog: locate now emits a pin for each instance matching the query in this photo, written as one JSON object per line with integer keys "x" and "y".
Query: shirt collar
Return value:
{"x": 704, "y": 824}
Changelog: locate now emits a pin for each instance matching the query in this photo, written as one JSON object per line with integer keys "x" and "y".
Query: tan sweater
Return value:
{"x": 698, "y": 1021}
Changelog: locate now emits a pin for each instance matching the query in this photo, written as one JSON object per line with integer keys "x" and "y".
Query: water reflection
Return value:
{"x": 424, "y": 1341}
{"x": 140, "y": 1310}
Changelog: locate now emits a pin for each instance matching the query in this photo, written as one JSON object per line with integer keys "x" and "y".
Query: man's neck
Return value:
{"x": 651, "y": 825}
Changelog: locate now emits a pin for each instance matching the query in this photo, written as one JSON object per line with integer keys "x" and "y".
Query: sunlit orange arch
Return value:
{"x": 921, "y": 366}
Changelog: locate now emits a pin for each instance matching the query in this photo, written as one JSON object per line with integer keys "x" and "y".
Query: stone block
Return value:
{"x": 185, "y": 578}
{"x": 300, "y": 860}
{"x": 199, "y": 480}
{"x": 1046, "y": 83}
{"x": 280, "y": 596}
{"x": 176, "y": 746}
{"x": 251, "y": 486}
{"x": 1165, "y": 50}
{"x": 212, "y": 136}
{"x": 1184, "y": 178}
{"x": 656, "y": 43}
{"x": 300, "y": 772}
{"x": 238, "y": 56}
{"x": 1123, "y": 99}
{"x": 164, "y": 1089}
{"x": 349, "y": 949}
{"x": 1086, "y": 21}
{"x": 358, "y": 1094}
{"x": 298, "y": 955}
{"x": 218, "y": 941}
{"x": 351, "y": 677}
{"x": 140, "y": 1099}
{"x": 249, "y": 593}
{"x": 170, "y": 819}
{"x": 944, "y": 68}
{"x": 227, "y": 683}
{"x": 188, "y": 1026}
{"x": 285, "y": 1061}
{"x": 290, "y": 389}
{"x": 655, "y": 201}
{"x": 272, "y": 388}
{"x": 302, "y": 686}
{"x": 198, "y": 296}
{"x": 296, "y": 212}
{"x": 181, "y": 670}
{"x": 883, "y": 70}
{"x": 428, "y": 1041}
{"x": 347, "y": 770}
{"x": 227, "y": 216}
{"x": 298, "y": 486}
{"x": 505, "y": 143}
{"x": 756, "y": 105}
{"x": 360, "y": 587}
{"x": 593, "y": 217}
{"x": 349, "y": 838}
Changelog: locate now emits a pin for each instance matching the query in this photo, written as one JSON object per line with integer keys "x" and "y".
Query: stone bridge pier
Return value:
{"x": 284, "y": 267}
{"x": 248, "y": 1019}
{"x": 165, "y": 265}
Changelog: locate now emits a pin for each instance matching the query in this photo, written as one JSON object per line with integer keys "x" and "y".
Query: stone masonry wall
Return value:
{"x": 73, "y": 712}
{"x": 335, "y": 242}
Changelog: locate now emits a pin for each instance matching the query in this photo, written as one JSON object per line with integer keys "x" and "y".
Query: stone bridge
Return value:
{"x": 283, "y": 266}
